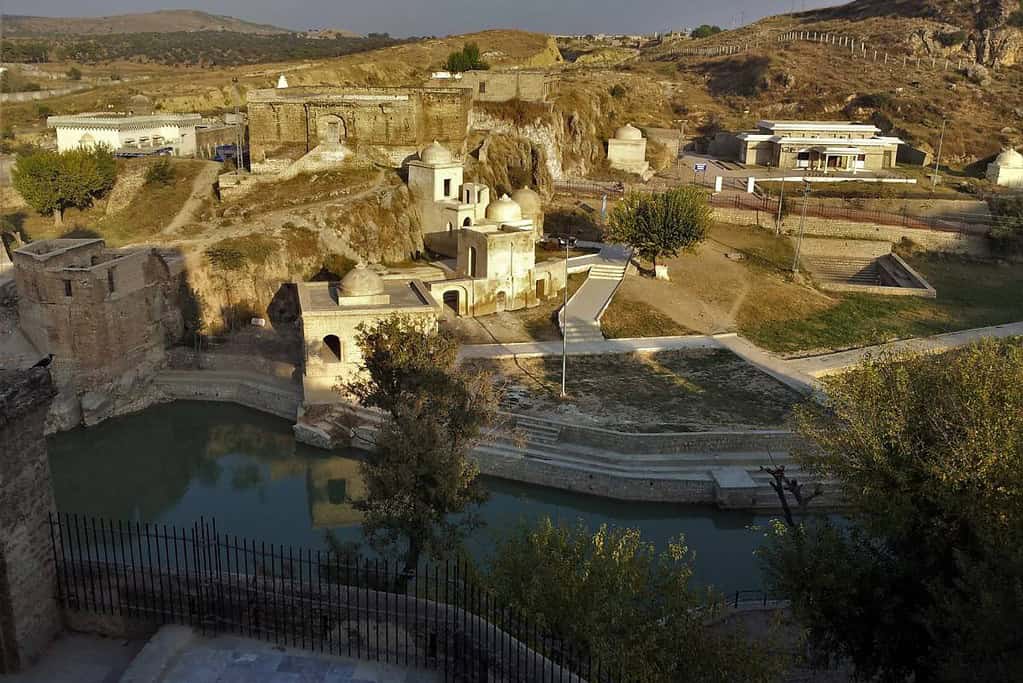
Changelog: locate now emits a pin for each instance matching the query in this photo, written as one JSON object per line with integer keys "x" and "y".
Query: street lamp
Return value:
{"x": 564, "y": 329}
{"x": 937, "y": 161}
{"x": 802, "y": 224}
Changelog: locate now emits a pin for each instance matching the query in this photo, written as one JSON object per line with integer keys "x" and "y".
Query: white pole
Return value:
{"x": 564, "y": 330}
{"x": 802, "y": 224}
{"x": 937, "y": 161}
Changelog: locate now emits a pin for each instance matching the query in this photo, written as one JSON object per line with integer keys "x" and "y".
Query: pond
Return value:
{"x": 173, "y": 463}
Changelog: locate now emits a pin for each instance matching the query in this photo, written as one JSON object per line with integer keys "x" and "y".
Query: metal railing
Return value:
{"x": 438, "y": 617}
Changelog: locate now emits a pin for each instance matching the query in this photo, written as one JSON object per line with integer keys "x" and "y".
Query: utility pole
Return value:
{"x": 564, "y": 330}
{"x": 937, "y": 161}
{"x": 781, "y": 203}
{"x": 802, "y": 225}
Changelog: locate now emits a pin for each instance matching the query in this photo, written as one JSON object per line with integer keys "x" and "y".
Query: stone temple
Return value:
{"x": 1007, "y": 169}
{"x": 626, "y": 151}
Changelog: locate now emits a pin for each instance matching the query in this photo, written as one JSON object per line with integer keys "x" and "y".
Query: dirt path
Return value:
{"x": 202, "y": 188}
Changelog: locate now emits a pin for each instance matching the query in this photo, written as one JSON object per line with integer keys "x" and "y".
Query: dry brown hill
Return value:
{"x": 162, "y": 21}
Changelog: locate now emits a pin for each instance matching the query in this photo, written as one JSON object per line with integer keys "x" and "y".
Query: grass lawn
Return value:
{"x": 670, "y": 391}
{"x": 970, "y": 294}
{"x": 628, "y": 318}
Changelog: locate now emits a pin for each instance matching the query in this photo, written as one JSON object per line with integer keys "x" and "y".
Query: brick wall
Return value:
{"x": 29, "y": 618}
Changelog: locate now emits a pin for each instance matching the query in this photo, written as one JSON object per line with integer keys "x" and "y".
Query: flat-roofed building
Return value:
{"x": 827, "y": 146}
{"x": 127, "y": 133}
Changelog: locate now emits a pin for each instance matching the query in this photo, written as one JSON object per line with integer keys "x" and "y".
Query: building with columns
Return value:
{"x": 826, "y": 146}
{"x": 127, "y": 133}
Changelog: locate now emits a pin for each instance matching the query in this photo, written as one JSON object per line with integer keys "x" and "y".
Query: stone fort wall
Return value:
{"x": 285, "y": 124}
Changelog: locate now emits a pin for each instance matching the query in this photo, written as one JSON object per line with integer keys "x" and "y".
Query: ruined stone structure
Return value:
{"x": 105, "y": 315}
{"x": 1007, "y": 169}
{"x": 385, "y": 124}
{"x": 499, "y": 86}
{"x": 29, "y": 616}
{"x": 331, "y": 314}
{"x": 626, "y": 151}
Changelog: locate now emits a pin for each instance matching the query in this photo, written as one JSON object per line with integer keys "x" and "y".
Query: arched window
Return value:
{"x": 331, "y": 349}
{"x": 467, "y": 222}
{"x": 471, "y": 265}
{"x": 450, "y": 227}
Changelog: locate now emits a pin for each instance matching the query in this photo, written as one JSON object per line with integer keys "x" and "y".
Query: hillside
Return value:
{"x": 162, "y": 21}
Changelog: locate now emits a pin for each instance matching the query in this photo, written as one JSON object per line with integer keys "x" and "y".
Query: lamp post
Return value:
{"x": 781, "y": 203}
{"x": 802, "y": 224}
{"x": 937, "y": 160}
{"x": 564, "y": 330}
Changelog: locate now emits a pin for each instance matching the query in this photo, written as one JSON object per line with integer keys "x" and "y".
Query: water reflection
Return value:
{"x": 177, "y": 462}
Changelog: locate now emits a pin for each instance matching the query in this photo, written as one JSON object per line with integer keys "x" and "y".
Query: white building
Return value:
{"x": 818, "y": 145}
{"x": 126, "y": 133}
{"x": 626, "y": 151}
{"x": 1007, "y": 169}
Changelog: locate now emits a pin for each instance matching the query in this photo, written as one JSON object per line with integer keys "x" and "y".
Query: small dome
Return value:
{"x": 435, "y": 153}
{"x": 504, "y": 210}
{"x": 1010, "y": 158}
{"x": 282, "y": 82}
{"x": 628, "y": 132}
{"x": 529, "y": 201}
{"x": 360, "y": 281}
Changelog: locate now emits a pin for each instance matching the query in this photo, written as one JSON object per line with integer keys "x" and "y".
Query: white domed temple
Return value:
{"x": 1007, "y": 169}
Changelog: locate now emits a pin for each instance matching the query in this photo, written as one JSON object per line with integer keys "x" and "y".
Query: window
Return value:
{"x": 67, "y": 287}
{"x": 483, "y": 87}
{"x": 337, "y": 491}
{"x": 110, "y": 280}
{"x": 803, "y": 156}
{"x": 331, "y": 349}
{"x": 861, "y": 157}
{"x": 447, "y": 187}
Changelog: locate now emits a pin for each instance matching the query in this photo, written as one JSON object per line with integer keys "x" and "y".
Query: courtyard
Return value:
{"x": 668, "y": 391}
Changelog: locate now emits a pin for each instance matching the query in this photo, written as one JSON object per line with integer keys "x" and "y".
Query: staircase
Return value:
{"x": 607, "y": 271}
{"x": 582, "y": 331}
{"x": 853, "y": 271}
{"x": 537, "y": 432}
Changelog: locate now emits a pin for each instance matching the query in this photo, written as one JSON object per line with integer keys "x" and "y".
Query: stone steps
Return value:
{"x": 859, "y": 271}
{"x": 607, "y": 272}
{"x": 583, "y": 331}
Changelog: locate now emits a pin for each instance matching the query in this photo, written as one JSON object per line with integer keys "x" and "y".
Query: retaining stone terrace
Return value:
{"x": 29, "y": 618}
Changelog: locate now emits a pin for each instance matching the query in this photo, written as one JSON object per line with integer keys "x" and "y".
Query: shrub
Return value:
{"x": 952, "y": 38}
{"x": 618, "y": 91}
{"x": 161, "y": 172}
{"x": 705, "y": 31}
{"x": 74, "y": 74}
{"x": 467, "y": 59}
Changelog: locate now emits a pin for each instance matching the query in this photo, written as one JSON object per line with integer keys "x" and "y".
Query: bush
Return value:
{"x": 160, "y": 172}
{"x": 705, "y": 31}
{"x": 618, "y": 91}
{"x": 468, "y": 59}
{"x": 952, "y": 38}
{"x": 74, "y": 74}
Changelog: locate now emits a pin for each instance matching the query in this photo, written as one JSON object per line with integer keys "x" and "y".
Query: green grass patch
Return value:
{"x": 971, "y": 294}
{"x": 237, "y": 253}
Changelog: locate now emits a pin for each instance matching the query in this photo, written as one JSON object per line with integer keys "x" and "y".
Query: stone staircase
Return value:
{"x": 847, "y": 270}
{"x": 583, "y": 331}
{"x": 607, "y": 271}
{"x": 537, "y": 432}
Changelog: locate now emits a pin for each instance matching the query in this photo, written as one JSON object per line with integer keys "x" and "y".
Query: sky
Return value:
{"x": 449, "y": 17}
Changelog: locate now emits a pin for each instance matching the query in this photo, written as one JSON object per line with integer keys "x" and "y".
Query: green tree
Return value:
{"x": 466, "y": 59}
{"x": 74, "y": 73}
{"x": 660, "y": 224}
{"x": 421, "y": 486}
{"x": 705, "y": 31}
{"x": 612, "y": 594}
{"x": 51, "y": 182}
{"x": 160, "y": 172}
{"x": 926, "y": 582}
{"x": 1007, "y": 234}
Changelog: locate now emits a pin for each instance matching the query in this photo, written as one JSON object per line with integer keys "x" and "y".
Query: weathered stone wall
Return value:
{"x": 695, "y": 442}
{"x": 29, "y": 618}
{"x": 932, "y": 240}
{"x": 285, "y": 124}
{"x": 501, "y": 86}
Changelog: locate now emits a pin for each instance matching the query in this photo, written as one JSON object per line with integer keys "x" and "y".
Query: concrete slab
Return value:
{"x": 81, "y": 658}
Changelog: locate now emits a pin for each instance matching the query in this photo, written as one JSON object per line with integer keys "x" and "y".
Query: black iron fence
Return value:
{"x": 438, "y": 617}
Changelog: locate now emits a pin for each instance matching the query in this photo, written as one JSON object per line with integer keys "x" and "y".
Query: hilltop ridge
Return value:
{"x": 160, "y": 21}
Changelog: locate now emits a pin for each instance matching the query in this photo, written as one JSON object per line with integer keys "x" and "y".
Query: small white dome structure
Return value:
{"x": 504, "y": 210}
{"x": 435, "y": 154}
{"x": 628, "y": 132}
{"x": 282, "y": 81}
{"x": 529, "y": 201}
{"x": 1010, "y": 158}
{"x": 1007, "y": 169}
{"x": 361, "y": 281}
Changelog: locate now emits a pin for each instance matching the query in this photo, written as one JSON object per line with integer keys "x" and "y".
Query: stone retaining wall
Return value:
{"x": 180, "y": 358}
{"x": 678, "y": 442}
{"x": 256, "y": 395}
{"x": 932, "y": 240}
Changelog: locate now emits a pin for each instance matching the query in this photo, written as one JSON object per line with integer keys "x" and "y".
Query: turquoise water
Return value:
{"x": 173, "y": 463}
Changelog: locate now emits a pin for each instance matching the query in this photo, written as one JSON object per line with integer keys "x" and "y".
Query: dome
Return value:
{"x": 628, "y": 132}
{"x": 435, "y": 153}
{"x": 360, "y": 281}
{"x": 504, "y": 210}
{"x": 1010, "y": 158}
{"x": 529, "y": 201}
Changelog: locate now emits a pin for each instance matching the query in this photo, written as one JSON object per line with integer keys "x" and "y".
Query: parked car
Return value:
{"x": 555, "y": 242}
